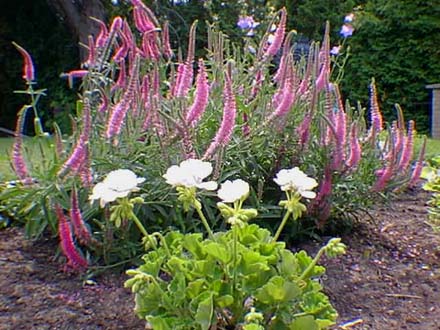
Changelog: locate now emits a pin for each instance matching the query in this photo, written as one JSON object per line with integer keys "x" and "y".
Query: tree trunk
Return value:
{"x": 76, "y": 16}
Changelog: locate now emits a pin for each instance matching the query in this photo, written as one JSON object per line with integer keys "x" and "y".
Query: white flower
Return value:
{"x": 232, "y": 191}
{"x": 296, "y": 180}
{"x": 117, "y": 184}
{"x": 190, "y": 173}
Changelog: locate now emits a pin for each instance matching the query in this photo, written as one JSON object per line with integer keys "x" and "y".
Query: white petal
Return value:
{"x": 308, "y": 194}
{"x": 98, "y": 191}
{"x": 197, "y": 168}
{"x": 232, "y": 191}
{"x": 210, "y": 185}
{"x": 173, "y": 175}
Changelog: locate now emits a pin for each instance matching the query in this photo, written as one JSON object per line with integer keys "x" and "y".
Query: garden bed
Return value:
{"x": 389, "y": 279}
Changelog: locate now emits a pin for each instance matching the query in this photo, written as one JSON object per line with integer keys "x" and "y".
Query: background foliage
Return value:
{"x": 32, "y": 25}
{"x": 402, "y": 36}
{"x": 397, "y": 43}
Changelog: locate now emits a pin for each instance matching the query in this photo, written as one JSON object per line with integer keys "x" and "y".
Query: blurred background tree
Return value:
{"x": 395, "y": 41}
{"x": 398, "y": 43}
{"x": 33, "y": 25}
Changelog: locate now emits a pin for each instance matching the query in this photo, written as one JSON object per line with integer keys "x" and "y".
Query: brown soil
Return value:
{"x": 389, "y": 279}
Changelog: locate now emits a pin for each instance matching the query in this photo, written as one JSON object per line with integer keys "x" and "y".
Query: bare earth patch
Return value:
{"x": 389, "y": 279}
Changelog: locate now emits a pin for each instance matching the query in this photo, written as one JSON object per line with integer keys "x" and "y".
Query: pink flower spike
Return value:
{"x": 275, "y": 46}
{"x": 224, "y": 133}
{"x": 102, "y": 37}
{"x": 28, "y": 66}
{"x": 141, "y": 20}
{"x": 18, "y": 161}
{"x": 376, "y": 116}
{"x": 74, "y": 74}
{"x": 201, "y": 96}
{"x": 304, "y": 129}
{"x": 82, "y": 233}
{"x": 415, "y": 176}
{"x": 74, "y": 259}
{"x": 397, "y": 137}
{"x": 407, "y": 151}
{"x": 167, "y": 51}
{"x": 104, "y": 104}
{"x": 116, "y": 25}
{"x": 85, "y": 172}
{"x": 75, "y": 160}
{"x": 120, "y": 83}
{"x": 286, "y": 100}
{"x": 122, "y": 51}
{"x": 355, "y": 148}
{"x": 185, "y": 80}
{"x": 322, "y": 80}
{"x": 92, "y": 53}
{"x": 78, "y": 155}
{"x": 384, "y": 176}
{"x": 117, "y": 117}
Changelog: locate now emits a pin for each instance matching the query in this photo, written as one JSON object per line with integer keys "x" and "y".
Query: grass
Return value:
{"x": 6, "y": 172}
{"x": 432, "y": 147}
{"x": 34, "y": 151}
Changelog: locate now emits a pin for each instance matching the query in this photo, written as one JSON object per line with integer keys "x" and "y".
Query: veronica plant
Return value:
{"x": 142, "y": 108}
{"x": 239, "y": 279}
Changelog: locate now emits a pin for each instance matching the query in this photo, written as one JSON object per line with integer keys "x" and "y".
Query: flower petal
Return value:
{"x": 308, "y": 194}
{"x": 210, "y": 185}
{"x": 232, "y": 191}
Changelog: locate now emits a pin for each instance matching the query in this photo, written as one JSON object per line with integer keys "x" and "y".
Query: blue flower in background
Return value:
{"x": 349, "y": 18}
{"x": 347, "y": 30}
{"x": 247, "y": 23}
{"x": 335, "y": 50}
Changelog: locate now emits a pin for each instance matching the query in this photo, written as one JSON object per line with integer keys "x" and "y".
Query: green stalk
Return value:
{"x": 234, "y": 258}
{"x": 281, "y": 227}
{"x": 312, "y": 265}
{"x": 164, "y": 243}
{"x": 204, "y": 221}
{"x": 142, "y": 229}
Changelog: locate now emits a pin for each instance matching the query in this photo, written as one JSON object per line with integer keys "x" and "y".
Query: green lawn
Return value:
{"x": 432, "y": 147}
{"x": 6, "y": 172}
{"x": 33, "y": 152}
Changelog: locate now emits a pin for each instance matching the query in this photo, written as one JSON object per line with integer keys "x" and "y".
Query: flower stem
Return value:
{"x": 312, "y": 265}
{"x": 204, "y": 221}
{"x": 142, "y": 229}
{"x": 234, "y": 256}
{"x": 281, "y": 227}
{"x": 164, "y": 242}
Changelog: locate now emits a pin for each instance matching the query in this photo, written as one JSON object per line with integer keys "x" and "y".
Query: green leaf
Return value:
{"x": 318, "y": 304}
{"x": 304, "y": 323}
{"x": 224, "y": 301}
{"x": 278, "y": 290}
{"x": 158, "y": 323}
{"x": 176, "y": 264}
{"x": 205, "y": 312}
{"x": 253, "y": 326}
{"x": 194, "y": 288}
{"x": 253, "y": 263}
{"x": 192, "y": 242}
{"x": 289, "y": 264}
{"x": 218, "y": 251}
